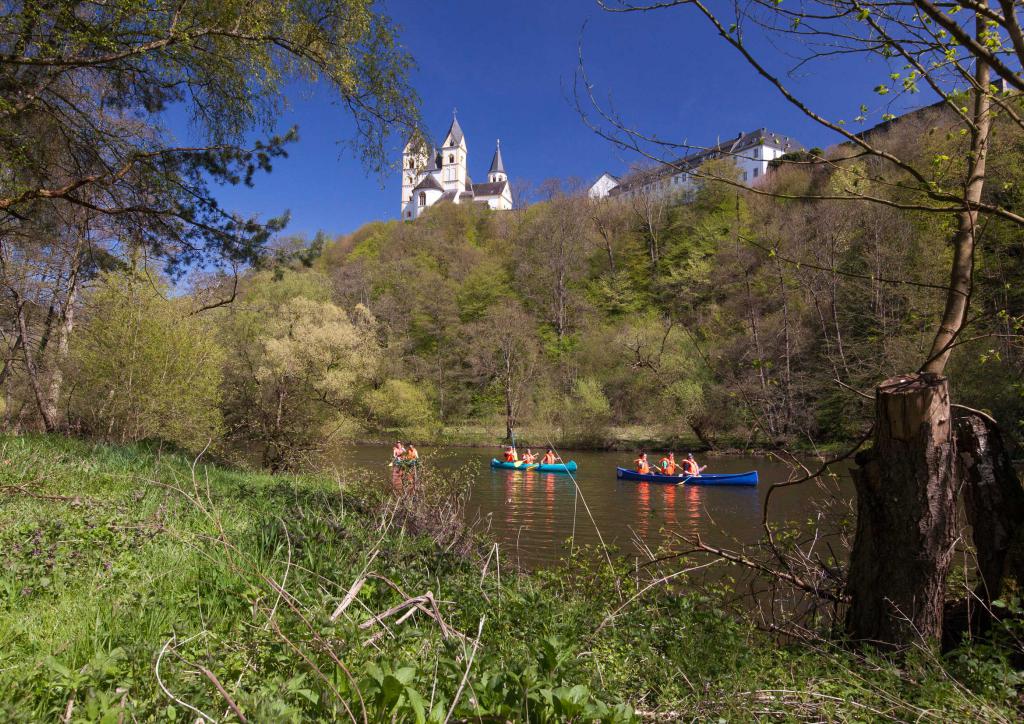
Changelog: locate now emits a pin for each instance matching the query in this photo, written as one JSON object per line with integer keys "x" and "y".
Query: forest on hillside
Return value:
{"x": 725, "y": 318}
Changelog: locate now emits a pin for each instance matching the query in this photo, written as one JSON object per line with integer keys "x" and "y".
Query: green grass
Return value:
{"x": 134, "y": 564}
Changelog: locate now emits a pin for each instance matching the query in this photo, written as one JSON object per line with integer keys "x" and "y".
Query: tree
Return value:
{"x": 299, "y": 365}
{"x": 906, "y": 483}
{"x": 89, "y": 169}
{"x": 506, "y": 355}
{"x": 142, "y": 368}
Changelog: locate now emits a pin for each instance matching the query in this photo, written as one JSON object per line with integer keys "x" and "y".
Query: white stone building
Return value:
{"x": 431, "y": 176}
{"x": 751, "y": 152}
{"x": 603, "y": 186}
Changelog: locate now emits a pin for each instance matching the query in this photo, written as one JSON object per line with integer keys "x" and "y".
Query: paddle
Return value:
{"x": 700, "y": 470}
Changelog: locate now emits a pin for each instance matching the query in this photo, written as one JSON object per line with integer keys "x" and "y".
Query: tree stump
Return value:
{"x": 906, "y": 515}
{"x": 994, "y": 503}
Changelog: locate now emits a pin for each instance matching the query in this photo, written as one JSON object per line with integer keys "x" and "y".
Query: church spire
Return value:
{"x": 497, "y": 171}
{"x": 497, "y": 165}
{"x": 454, "y": 136}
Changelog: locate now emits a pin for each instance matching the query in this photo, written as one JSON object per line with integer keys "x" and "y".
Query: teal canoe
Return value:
{"x": 569, "y": 467}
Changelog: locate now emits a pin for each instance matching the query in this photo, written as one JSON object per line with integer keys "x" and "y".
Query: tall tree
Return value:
{"x": 88, "y": 165}
{"x": 906, "y": 483}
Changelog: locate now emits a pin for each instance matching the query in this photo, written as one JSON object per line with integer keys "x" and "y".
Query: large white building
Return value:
{"x": 751, "y": 152}
{"x": 431, "y": 176}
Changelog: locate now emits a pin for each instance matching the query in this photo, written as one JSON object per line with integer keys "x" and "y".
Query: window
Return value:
{"x": 411, "y": 164}
{"x": 408, "y": 214}
{"x": 756, "y": 171}
{"x": 744, "y": 175}
{"x": 756, "y": 151}
{"x": 451, "y": 158}
{"x": 423, "y": 198}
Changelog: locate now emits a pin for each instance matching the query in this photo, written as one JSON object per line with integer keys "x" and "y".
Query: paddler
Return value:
{"x": 690, "y": 466}
{"x": 642, "y": 466}
{"x": 667, "y": 465}
{"x": 549, "y": 458}
{"x": 397, "y": 452}
{"x": 510, "y": 454}
{"x": 411, "y": 454}
{"x": 528, "y": 457}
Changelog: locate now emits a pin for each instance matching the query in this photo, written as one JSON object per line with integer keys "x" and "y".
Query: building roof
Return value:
{"x": 731, "y": 147}
{"x": 455, "y": 131}
{"x": 429, "y": 182}
{"x": 490, "y": 189}
{"x": 497, "y": 165}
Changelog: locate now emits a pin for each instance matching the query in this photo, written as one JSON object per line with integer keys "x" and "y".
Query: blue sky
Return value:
{"x": 509, "y": 69}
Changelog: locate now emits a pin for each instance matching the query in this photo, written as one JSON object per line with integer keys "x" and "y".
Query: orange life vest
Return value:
{"x": 549, "y": 458}
{"x": 510, "y": 456}
{"x": 690, "y": 467}
{"x": 642, "y": 466}
{"x": 411, "y": 453}
{"x": 667, "y": 466}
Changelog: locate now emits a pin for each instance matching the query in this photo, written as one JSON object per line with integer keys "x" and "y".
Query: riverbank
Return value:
{"x": 139, "y": 584}
{"x": 627, "y": 438}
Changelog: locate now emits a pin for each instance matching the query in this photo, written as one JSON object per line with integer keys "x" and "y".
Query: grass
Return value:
{"x": 134, "y": 587}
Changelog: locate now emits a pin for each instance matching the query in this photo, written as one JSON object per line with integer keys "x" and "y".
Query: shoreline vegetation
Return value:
{"x": 137, "y": 585}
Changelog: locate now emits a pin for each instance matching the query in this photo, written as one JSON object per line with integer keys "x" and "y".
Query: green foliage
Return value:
{"x": 299, "y": 366}
{"x": 403, "y": 407}
{"x": 144, "y": 367}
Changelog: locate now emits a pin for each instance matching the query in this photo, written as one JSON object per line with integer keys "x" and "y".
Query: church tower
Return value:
{"x": 497, "y": 172}
{"x": 453, "y": 158}
{"x": 415, "y": 160}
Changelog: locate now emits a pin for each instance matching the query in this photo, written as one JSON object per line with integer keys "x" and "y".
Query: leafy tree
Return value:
{"x": 90, "y": 175}
{"x": 902, "y": 552}
{"x": 143, "y": 367}
{"x": 298, "y": 368}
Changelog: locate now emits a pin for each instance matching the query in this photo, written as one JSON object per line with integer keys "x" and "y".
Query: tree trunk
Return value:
{"x": 49, "y": 424}
{"x": 994, "y": 503}
{"x": 906, "y": 515}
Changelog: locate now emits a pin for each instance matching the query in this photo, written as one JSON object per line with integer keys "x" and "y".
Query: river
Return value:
{"x": 532, "y": 515}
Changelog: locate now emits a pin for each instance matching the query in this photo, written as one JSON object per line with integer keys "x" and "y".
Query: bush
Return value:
{"x": 143, "y": 367}
{"x": 402, "y": 407}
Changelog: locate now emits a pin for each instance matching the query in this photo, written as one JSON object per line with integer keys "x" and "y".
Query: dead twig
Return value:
{"x": 223, "y": 692}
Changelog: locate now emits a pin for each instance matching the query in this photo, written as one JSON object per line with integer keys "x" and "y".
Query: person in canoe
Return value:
{"x": 511, "y": 456}
{"x": 667, "y": 465}
{"x": 642, "y": 465}
{"x": 529, "y": 457}
{"x": 397, "y": 452}
{"x": 412, "y": 455}
{"x": 549, "y": 458}
{"x": 690, "y": 466}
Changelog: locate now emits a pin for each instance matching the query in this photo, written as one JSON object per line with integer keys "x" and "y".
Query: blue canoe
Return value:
{"x": 569, "y": 467}
{"x": 702, "y": 479}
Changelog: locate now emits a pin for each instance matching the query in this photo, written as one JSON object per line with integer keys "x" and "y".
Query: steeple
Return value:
{"x": 454, "y": 137}
{"x": 497, "y": 171}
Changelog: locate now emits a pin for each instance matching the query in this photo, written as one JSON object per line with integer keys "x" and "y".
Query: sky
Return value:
{"x": 509, "y": 70}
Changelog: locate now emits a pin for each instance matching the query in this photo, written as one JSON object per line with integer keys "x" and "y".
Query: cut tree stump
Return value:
{"x": 906, "y": 516}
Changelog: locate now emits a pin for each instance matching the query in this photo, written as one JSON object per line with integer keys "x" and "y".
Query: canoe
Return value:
{"x": 569, "y": 467}
{"x": 749, "y": 478}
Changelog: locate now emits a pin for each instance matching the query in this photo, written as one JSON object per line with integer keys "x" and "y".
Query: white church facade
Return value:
{"x": 432, "y": 176}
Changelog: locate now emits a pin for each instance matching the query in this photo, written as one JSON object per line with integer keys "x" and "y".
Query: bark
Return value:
{"x": 962, "y": 273}
{"x": 906, "y": 516}
{"x": 49, "y": 423}
{"x": 65, "y": 328}
{"x": 994, "y": 503}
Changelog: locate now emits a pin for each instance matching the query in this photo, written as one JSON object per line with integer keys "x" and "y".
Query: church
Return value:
{"x": 431, "y": 176}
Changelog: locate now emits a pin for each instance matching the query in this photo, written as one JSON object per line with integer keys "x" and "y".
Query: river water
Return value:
{"x": 533, "y": 515}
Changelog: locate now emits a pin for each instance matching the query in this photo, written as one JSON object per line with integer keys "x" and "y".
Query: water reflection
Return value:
{"x": 532, "y": 514}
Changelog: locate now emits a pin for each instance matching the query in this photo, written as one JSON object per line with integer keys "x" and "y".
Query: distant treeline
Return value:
{"x": 726, "y": 316}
